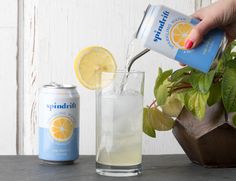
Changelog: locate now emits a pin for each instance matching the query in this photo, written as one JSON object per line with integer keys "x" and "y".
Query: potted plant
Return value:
{"x": 200, "y": 108}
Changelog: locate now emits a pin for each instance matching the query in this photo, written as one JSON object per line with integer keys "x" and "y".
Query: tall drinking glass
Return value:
{"x": 119, "y": 115}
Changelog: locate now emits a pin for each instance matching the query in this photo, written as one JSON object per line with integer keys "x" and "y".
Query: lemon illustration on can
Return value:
{"x": 179, "y": 32}
{"x": 61, "y": 128}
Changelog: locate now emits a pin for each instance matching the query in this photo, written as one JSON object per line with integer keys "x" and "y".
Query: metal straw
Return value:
{"x": 136, "y": 57}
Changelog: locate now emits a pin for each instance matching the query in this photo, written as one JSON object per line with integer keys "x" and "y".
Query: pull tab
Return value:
{"x": 54, "y": 84}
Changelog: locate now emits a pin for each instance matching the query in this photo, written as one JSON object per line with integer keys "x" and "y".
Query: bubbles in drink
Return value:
{"x": 121, "y": 131}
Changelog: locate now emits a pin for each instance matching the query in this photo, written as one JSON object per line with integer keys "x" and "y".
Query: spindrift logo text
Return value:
{"x": 164, "y": 16}
{"x": 71, "y": 105}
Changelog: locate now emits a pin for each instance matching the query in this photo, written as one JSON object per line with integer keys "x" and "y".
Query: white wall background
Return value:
{"x": 8, "y": 76}
{"x": 48, "y": 35}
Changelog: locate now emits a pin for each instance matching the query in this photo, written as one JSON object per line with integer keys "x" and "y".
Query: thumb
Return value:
{"x": 198, "y": 32}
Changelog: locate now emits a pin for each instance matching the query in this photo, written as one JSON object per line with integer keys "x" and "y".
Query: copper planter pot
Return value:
{"x": 210, "y": 142}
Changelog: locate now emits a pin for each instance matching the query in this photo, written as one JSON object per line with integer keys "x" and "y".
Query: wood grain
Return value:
{"x": 55, "y": 30}
{"x": 8, "y": 76}
{"x": 30, "y": 78}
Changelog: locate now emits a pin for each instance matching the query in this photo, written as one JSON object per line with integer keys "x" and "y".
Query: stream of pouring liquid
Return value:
{"x": 130, "y": 59}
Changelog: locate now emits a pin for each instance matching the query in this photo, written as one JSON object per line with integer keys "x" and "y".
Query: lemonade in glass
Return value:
{"x": 119, "y": 111}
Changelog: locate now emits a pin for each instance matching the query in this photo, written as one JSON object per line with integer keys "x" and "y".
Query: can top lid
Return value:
{"x": 55, "y": 85}
{"x": 144, "y": 16}
{"x": 147, "y": 21}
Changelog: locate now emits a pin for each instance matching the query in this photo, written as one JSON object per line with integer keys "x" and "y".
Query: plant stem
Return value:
{"x": 185, "y": 85}
{"x": 182, "y": 87}
{"x": 217, "y": 79}
{"x": 154, "y": 102}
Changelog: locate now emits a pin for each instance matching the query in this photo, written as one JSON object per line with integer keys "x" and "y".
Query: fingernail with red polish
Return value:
{"x": 188, "y": 44}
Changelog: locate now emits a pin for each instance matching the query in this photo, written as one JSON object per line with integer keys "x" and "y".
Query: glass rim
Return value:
{"x": 120, "y": 71}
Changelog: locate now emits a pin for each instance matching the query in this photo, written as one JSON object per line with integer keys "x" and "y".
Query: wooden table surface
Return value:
{"x": 155, "y": 168}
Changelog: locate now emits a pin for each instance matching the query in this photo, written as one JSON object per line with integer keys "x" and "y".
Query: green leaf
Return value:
{"x": 147, "y": 127}
{"x": 161, "y": 86}
{"x": 162, "y": 76}
{"x": 233, "y": 54}
{"x": 233, "y": 44}
{"x": 196, "y": 103}
{"x": 162, "y": 93}
{"x": 178, "y": 74}
{"x": 226, "y": 54}
{"x": 229, "y": 52}
{"x": 160, "y": 121}
{"x": 215, "y": 94}
{"x": 228, "y": 89}
{"x": 181, "y": 95}
{"x": 220, "y": 67}
{"x": 173, "y": 106}
{"x": 201, "y": 81}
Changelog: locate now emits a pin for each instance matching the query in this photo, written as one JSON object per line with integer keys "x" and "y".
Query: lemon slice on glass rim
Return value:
{"x": 90, "y": 63}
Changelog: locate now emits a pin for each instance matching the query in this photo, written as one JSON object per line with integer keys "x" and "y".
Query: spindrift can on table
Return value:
{"x": 58, "y": 124}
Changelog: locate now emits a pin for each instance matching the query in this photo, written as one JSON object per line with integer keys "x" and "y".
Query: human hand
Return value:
{"x": 221, "y": 14}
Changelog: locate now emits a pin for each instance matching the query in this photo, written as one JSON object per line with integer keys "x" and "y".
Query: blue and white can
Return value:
{"x": 58, "y": 123}
{"x": 165, "y": 30}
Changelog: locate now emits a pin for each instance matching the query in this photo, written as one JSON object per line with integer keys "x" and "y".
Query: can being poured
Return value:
{"x": 165, "y": 30}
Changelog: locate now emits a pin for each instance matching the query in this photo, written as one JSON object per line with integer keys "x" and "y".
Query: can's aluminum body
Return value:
{"x": 58, "y": 123}
{"x": 165, "y": 30}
